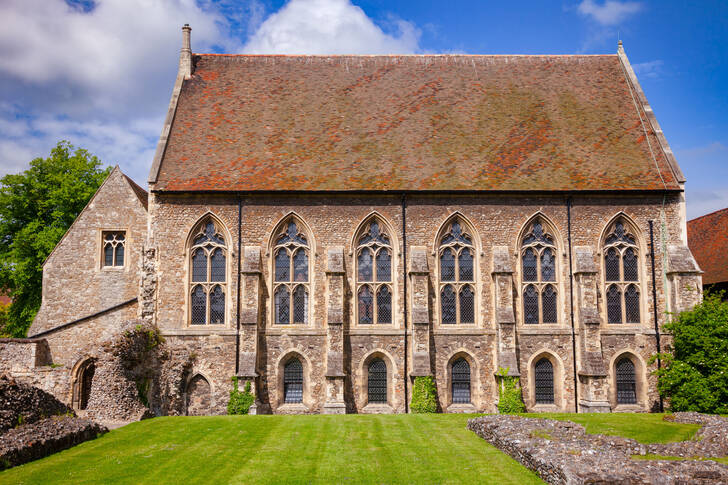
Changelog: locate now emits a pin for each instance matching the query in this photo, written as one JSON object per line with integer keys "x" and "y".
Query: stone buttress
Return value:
{"x": 420, "y": 311}
{"x": 504, "y": 314}
{"x": 335, "y": 274}
{"x": 250, "y": 304}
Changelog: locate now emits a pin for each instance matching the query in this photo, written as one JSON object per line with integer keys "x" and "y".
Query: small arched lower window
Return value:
{"x": 377, "y": 381}
{"x": 626, "y": 382}
{"x": 293, "y": 381}
{"x": 460, "y": 381}
{"x": 208, "y": 274}
{"x": 621, "y": 274}
{"x": 457, "y": 276}
{"x": 290, "y": 276}
{"x": 374, "y": 276}
{"x": 538, "y": 270}
{"x": 544, "y": 380}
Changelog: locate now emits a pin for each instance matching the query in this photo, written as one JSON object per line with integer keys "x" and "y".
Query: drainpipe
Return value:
{"x": 237, "y": 312}
{"x": 654, "y": 305}
{"x": 404, "y": 270}
{"x": 571, "y": 304}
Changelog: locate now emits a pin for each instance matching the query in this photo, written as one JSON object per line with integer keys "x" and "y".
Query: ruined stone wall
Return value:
{"x": 75, "y": 282}
{"x": 497, "y": 222}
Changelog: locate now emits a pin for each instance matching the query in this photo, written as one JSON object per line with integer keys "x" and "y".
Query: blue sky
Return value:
{"x": 99, "y": 73}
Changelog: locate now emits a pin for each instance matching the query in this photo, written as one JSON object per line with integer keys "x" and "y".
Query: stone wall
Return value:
{"x": 75, "y": 282}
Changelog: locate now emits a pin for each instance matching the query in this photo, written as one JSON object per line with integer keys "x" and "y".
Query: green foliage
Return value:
{"x": 510, "y": 399}
{"x": 694, "y": 376}
{"x": 36, "y": 208}
{"x": 4, "y": 319}
{"x": 142, "y": 386}
{"x": 424, "y": 395}
{"x": 240, "y": 401}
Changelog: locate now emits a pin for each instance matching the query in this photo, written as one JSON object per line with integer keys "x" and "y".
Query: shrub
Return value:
{"x": 424, "y": 396}
{"x": 510, "y": 399}
{"x": 240, "y": 401}
{"x": 694, "y": 376}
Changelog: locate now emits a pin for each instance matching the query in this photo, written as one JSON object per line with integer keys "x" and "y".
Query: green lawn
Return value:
{"x": 309, "y": 449}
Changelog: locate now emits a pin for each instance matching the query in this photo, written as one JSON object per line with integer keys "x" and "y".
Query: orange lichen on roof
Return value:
{"x": 708, "y": 241}
{"x": 445, "y": 122}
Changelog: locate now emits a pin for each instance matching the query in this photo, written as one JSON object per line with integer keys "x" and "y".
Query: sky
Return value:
{"x": 99, "y": 73}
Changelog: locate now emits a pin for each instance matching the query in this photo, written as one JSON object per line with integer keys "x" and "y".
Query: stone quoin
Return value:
{"x": 328, "y": 228}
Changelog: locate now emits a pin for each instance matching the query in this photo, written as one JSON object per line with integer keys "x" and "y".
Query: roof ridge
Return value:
{"x": 709, "y": 214}
{"x": 400, "y": 55}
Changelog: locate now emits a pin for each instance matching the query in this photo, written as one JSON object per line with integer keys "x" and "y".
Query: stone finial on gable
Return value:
{"x": 185, "y": 55}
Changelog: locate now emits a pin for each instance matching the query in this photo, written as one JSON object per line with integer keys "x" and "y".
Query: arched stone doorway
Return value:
{"x": 199, "y": 396}
{"x": 82, "y": 384}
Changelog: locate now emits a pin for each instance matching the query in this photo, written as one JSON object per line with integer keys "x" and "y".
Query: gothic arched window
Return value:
{"x": 374, "y": 276}
{"x": 208, "y": 274}
{"x": 290, "y": 276}
{"x": 544, "y": 381}
{"x": 621, "y": 274}
{"x": 538, "y": 280}
{"x": 377, "y": 381}
{"x": 626, "y": 382}
{"x": 460, "y": 381}
{"x": 293, "y": 382}
{"x": 456, "y": 256}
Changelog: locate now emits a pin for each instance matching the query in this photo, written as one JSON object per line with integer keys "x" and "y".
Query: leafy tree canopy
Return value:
{"x": 36, "y": 208}
{"x": 695, "y": 374}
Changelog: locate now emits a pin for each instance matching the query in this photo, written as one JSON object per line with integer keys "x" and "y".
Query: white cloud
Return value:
{"x": 611, "y": 12}
{"x": 329, "y": 27}
{"x": 101, "y": 77}
{"x": 649, "y": 69}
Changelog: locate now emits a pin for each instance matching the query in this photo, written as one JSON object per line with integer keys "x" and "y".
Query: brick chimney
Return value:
{"x": 185, "y": 55}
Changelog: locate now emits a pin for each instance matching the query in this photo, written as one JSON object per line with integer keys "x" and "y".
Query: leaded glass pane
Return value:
{"x": 365, "y": 265}
{"x": 366, "y": 305}
{"x": 530, "y": 272}
{"x": 619, "y": 234}
{"x": 614, "y": 305}
{"x": 108, "y": 255}
{"x": 460, "y": 381}
{"x": 611, "y": 265}
{"x": 467, "y": 305}
{"x": 447, "y": 304}
{"x": 283, "y": 305}
{"x": 632, "y": 304}
{"x": 293, "y": 382}
{"x": 548, "y": 266}
{"x": 217, "y": 306}
{"x": 530, "y": 305}
{"x": 300, "y": 305}
{"x": 626, "y": 383}
{"x": 212, "y": 234}
{"x": 384, "y": 265}
{"x": 537, "y": 235}
{"x": 374, "y": 235}
{"x": 283, "y": 266}
{"x": 291, "y": 235}
{"x": 199, "y": 265}
{"x": 119, "y": 260}
{"x": 548, "y": 304}
{"x": 384, "y": 305}
{"x": 377, "y": 382}
{"x": 109, "y": 236}
{"x": 300, "y": 265}
{"x": 447, "y": 265}
{"x": 198, "y": 306}
{"x": 455, "y": 234}
{"x": 629, "y": 262}
{"x": 544, "y": 380}
{"x": 465, "y": 265}
{"x": 217, "y": 265}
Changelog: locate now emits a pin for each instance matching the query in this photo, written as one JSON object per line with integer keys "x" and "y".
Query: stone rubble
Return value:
{"x": 561, "y": 452}
{"x": 45, "y": 437}
{"x": 23, "y": 404}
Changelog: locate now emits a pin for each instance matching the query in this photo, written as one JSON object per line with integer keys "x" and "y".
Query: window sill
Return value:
{"x": 629, "y": 408}
{"x": 461, "y": 408}
{"x": 545, "y": 408}
{"x": 293, "y": 408}
{"x": 377, "y": 408}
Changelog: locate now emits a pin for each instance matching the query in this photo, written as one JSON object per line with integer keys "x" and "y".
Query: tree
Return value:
{"x": 36, "y": 208}
{"x": 695, "y": 374}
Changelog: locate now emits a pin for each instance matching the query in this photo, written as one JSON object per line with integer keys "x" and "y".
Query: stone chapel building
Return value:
{"x": 331, "y": 227}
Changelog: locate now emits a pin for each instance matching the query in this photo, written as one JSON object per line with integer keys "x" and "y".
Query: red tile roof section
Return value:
{"x": 708, "y": 241}
{"x": 452, "y": 122}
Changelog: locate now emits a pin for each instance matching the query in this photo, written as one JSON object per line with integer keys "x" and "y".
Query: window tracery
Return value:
{"x": 374, "y": 276}
{"x": 113, "y": 248}
{"x": 621, "y": 274}
{"x": 456, "y": 256}
{"x": 208, "y": 275}
{"x": 539, "y": 280}
{"x": 291, "y": 276}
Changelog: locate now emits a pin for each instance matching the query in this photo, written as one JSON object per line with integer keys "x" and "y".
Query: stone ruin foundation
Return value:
{"x": 561, "y": 452}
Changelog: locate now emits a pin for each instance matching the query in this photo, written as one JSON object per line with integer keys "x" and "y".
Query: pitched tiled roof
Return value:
{"x": 708, "y": 241}
{"x": 452, "y": 122}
